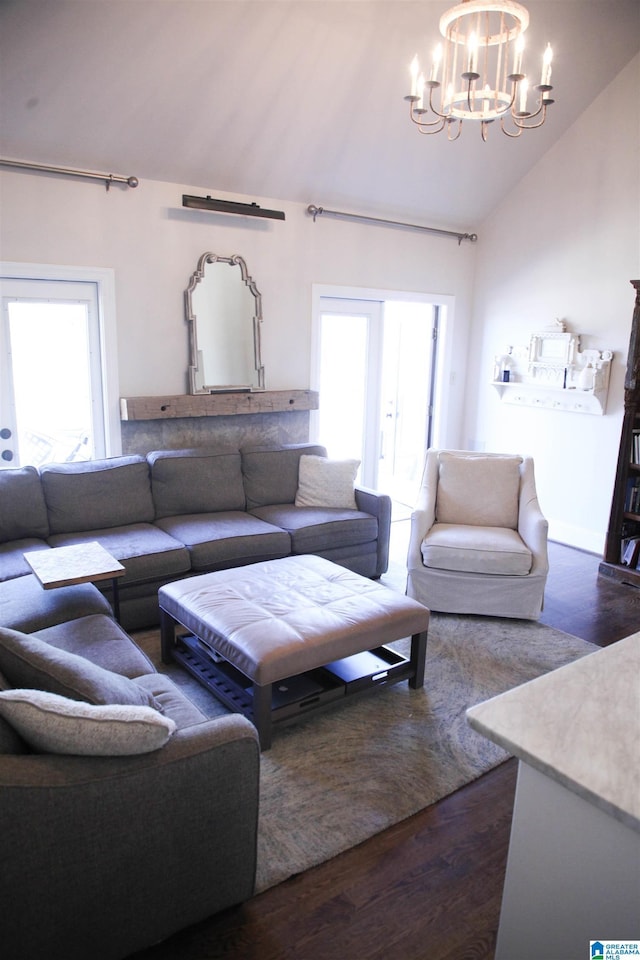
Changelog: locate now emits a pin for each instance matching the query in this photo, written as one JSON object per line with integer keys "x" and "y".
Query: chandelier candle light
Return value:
{"x": 477, "y": 70}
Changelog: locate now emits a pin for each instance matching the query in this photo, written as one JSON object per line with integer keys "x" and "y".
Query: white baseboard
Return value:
{"x": 584, "y": 539}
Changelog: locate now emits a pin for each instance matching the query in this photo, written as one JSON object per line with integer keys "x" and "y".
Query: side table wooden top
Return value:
{"x": 76, "y": 563}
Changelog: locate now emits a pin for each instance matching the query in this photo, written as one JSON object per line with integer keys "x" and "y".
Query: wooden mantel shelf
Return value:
{"x": 216, "y": 404}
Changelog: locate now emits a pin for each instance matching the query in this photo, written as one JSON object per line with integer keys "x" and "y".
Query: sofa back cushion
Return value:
{"x": 23, "y": 512}
{"x": 478, "y": 490}
{"x": 271, "y": 473}
{"x": 195, "y": 481}
{"x": 29, "y": 662}
{"x": 97, "y": 494}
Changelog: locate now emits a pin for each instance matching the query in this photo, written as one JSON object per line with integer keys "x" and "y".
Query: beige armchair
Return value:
{"x": 478, "y": 540}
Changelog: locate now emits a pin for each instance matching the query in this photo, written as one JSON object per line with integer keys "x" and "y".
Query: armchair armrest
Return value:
{"x": 421, "y": 523}
{"x": 424, "y": 515}
{"x": 533, "y": 527}
{"x": 105, "y": 856}
{"x": 379, "y": 506}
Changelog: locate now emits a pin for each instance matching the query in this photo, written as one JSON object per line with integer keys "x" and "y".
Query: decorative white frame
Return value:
{"x": 555, "y": 378}
{"x": 551, "y": 350}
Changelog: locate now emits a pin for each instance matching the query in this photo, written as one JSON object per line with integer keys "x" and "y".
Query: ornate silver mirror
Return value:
{"x": 224, "y": 312}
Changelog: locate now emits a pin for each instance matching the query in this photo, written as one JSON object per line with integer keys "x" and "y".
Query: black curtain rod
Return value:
{"x": 316, "y": 211}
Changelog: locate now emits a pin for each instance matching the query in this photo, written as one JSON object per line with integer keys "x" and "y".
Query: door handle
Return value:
{"x": 5, "y": 433}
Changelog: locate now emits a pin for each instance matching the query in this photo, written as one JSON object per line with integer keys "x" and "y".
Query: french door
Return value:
{"x": 51, "y": 387}
{"x": 375, "y": 375}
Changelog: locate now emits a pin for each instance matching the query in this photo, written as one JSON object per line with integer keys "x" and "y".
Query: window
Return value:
{"x": 58, "y": 393}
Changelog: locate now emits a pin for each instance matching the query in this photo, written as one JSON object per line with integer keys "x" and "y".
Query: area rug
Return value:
{"x": 336, "y": 779}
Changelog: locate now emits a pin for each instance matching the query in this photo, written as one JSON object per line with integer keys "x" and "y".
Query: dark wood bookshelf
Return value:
{"x": 624, "y": 524}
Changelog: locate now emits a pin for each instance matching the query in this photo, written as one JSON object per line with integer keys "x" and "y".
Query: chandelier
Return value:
{"x": 477, "y": 73}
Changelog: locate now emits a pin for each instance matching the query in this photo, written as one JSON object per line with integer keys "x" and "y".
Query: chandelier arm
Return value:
{"x": 443, "y": 116}
{"x": 449, "y": 125}
{"x": 423, "y": 123}
{"x": 533, "y": 126}
{"x": 514, "y": 91}
{"x": 422, "y": 129}
{"x": 507, "y": 132}
{"x": 537, "y": 113}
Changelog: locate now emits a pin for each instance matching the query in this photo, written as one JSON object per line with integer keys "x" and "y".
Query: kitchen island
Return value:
{"x": 573, "y": 872}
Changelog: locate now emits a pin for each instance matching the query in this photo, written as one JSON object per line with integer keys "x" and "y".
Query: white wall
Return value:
{"x": 153, "y": 245}
{"x": 564, "y": 244}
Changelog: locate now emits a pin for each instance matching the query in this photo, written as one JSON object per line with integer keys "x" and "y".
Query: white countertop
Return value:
{"x": 580, "y": 725}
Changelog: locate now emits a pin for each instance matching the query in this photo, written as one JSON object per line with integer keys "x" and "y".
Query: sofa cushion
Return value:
{"x": 97, "y": 494}
{"x": 28, "y": 661}
{"x": 326, "y": 483}
{"x": 12, "y": 561}
{"x": 230, "y": 538}
{"x": 476, "y": 549}
{"x": 271, "y": 473}
{"x": 480, "y": 490}
{"x": 195, "y": 481}
{"x": 23, "y": 512}
{"x": 146, "y": 552}
{"x": 53, "y": 724}
{"x": 174, "y": 704}
{"x": 26, "y": 606}
{"x": 314, "y": 529}
{"x": 102, "y": 641}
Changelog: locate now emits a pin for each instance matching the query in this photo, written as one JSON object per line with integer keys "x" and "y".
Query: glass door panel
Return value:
{"x": 51, "y": 373}
{"x": 376, "y": 369}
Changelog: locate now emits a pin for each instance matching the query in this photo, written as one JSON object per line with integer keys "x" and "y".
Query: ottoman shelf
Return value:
{"x": 294, "y": 696}
{"x": 236, "y": 691}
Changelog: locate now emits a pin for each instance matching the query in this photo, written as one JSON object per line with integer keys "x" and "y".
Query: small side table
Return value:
{"x": 77, "y": 563}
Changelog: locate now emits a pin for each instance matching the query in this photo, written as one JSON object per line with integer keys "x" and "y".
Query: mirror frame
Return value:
{"x": 196, "y": 278}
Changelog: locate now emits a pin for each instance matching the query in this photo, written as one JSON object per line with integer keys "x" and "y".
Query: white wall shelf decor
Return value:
{"x": 554, "y": 374}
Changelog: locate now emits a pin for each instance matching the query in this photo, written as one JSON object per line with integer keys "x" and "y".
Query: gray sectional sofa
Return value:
{"x": 177, "y": 513}
{"x": 111, "y": 841}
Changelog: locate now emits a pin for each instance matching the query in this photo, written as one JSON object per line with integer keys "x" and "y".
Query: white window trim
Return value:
{"x": 104, "y": 278}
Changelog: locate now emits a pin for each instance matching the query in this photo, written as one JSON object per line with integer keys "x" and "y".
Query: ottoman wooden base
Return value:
{"x": 300, "y": 619}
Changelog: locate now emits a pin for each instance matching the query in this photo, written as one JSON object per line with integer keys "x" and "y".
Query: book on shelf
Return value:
{"x": 632, "y": 495}
{"x": 635, "y": 447}
{"x": 631, "y": 552}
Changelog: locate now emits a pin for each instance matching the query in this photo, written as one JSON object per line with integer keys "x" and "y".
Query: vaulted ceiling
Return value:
{"x": 299, "y": 100}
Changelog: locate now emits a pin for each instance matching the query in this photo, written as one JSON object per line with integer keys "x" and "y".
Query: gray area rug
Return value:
{"x": 334, "y": 780}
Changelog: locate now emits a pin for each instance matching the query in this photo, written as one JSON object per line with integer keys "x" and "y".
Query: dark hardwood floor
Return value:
{"x": 431, "y": 886}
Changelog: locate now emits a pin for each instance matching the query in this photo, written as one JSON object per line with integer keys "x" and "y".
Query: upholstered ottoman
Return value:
{"x": 253, "y": 629}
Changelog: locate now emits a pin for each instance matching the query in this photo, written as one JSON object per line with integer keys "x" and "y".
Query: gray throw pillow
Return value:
{"x": 53, "y": 724}
{"x": 27, "y": 661}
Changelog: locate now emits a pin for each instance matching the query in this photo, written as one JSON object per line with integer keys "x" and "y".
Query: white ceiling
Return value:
{"x": 297, "y": 100}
